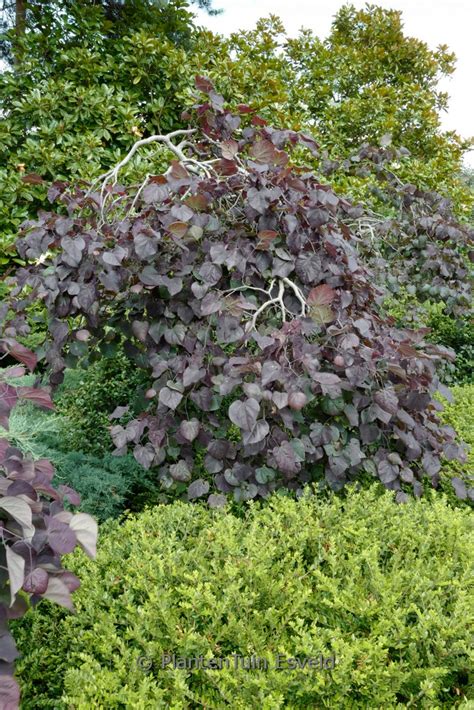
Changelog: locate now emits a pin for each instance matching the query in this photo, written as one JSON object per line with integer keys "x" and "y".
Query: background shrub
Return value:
{"x": 383, "y": 587}
{"x": 458, "y": 334}
{"x": 453, "y": 332}
{"x": 88, "y": 397}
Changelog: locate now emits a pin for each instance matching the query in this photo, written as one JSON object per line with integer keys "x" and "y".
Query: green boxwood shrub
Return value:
{"x": 385, "y": 588}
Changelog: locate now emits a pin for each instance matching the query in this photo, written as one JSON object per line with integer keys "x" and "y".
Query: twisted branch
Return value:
{"x": 112, "y": 174}
{"x": 277, "y": 300}
{"x": 193, "y": 165}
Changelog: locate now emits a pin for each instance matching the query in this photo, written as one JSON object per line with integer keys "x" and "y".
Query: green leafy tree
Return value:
{"x": 82, "y": 95}
{"x": 370, "y": 82}
{"x": 367, "y": 82}
{"x": 28, "y": 15}
{"x": 369, "y": 78}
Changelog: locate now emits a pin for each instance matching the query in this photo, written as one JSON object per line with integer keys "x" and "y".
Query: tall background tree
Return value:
{"x": 21, "y": 14}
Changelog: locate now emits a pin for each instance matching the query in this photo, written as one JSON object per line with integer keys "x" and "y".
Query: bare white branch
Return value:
{"x": 112, "y": 175}
{"x": 139, "y": 192}
{"x": 271, "y": 301}
{"x": 194, "y": 165}
{"x": 275, "y": 300}
{"x": 299, "y": 295}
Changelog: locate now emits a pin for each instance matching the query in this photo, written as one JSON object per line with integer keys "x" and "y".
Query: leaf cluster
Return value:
{"x": 415, "y": 243}
{"x": 234, "y": 278}
{"x": 36, "y": 528}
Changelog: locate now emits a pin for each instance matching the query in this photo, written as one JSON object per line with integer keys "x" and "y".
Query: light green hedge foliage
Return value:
{"x": 386, "y": 588}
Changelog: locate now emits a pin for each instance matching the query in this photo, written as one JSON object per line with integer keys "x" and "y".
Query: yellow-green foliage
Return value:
{"x": 383, "y": 587}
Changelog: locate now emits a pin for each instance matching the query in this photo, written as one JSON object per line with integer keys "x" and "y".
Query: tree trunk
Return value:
{"x": 20, "y": 17}
{"x": 20, "y": 26}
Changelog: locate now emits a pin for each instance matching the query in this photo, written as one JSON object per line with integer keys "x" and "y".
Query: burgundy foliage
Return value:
{"x": 237, "y": 284}
{"x": 36, "y": 530}
{"x": 418, "y": 243}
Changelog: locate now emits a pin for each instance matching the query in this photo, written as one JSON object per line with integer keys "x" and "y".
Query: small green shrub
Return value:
{"x": 383, "y": 587}
{"x": 108, "y": 484}
{"x": 29, "y": 428}
{"x": 86, "y": 402}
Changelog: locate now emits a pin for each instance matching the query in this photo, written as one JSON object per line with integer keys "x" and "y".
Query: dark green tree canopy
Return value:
{"x": 118, "y": 16}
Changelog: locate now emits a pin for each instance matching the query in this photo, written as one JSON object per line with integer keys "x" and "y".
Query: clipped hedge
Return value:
{"x": 385, "y": 588}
